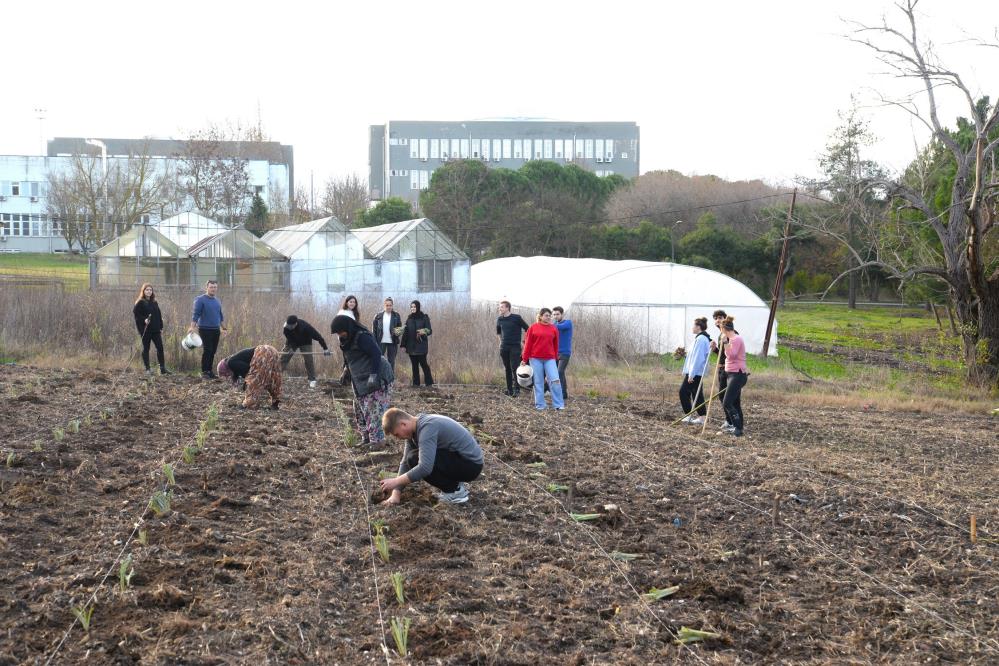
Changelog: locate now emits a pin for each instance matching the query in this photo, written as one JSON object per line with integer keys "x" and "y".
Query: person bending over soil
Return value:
{"x": 298, "y": 336}
{"x": 370, "y": 375}
{"x": 439, "y": 450}
{"x": 261, "y": 367}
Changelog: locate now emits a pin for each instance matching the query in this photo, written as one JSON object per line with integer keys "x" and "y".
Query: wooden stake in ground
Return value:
{"x": 974, "y": 528}
{"x": 714, "y": 382}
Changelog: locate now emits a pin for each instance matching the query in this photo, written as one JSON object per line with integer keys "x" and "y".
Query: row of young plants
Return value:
{"x": 159, "y": 505}
{"x": 399, "y": 625}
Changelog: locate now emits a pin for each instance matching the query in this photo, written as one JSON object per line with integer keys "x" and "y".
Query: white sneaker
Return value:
{"x": 687, "y": 419}
{"x": 698, "y": 421}
{"x": 459, "y": 496}
{"x": 313, "y": 383}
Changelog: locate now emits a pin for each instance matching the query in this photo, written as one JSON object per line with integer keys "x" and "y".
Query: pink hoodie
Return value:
{"x": 735, "y": 355}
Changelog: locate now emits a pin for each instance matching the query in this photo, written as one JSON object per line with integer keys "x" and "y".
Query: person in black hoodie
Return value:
{"x": 509, "y": 328}
{"x": 298, "y": 335}
{"x": 149, "y": 323}
{"x": 415, "y": 341}
{"x": 370, "y": 375}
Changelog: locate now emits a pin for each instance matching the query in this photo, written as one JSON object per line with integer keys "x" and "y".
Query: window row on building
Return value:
{"x": 14, "y": 188}
{"x": 25, "y": 224}
{"x": 600, "y": 150}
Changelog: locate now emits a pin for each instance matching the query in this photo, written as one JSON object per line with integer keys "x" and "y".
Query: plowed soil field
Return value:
{"x": 824, "y": 536}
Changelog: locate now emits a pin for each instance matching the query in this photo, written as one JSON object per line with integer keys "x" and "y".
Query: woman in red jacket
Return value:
{"x": 541, "y": 352}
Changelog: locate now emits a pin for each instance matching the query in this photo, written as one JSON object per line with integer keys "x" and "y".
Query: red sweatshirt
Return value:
{"x": 541, "y": 342}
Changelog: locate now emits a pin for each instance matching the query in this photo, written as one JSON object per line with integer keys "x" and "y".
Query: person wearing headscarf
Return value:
{"x": 261, "y": 366}
{"x": 415, "y": 340}
{"x": 370, "y": 375}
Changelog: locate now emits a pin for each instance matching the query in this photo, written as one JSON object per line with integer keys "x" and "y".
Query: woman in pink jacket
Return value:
{"x": 738, "y": 374}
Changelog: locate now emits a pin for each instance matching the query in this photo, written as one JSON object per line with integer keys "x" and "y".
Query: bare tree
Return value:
{"x": 91, "y": 207}
{"x": 345, "y": 199}
{"x": 963, "y": 252}
{"x": 214, "y": 169}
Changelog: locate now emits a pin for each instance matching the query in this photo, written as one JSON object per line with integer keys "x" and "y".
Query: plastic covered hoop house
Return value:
{"x": 658, "y": 302}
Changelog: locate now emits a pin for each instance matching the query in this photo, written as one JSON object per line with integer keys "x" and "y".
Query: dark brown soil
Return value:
{"x": 265, "y": 556}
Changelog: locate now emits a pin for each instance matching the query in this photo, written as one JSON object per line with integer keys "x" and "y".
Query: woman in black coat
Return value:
{"x": 149, "y": 323}
{"x": 415, "y": 340}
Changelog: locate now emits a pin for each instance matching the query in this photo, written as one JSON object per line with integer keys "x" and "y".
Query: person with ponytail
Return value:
{"x": 737, "y": 373}
{"x": 692, "y": 385}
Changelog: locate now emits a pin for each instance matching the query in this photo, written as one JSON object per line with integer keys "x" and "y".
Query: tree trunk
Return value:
{"x": 852, "y": 291}
{"x": 985, "y": 352}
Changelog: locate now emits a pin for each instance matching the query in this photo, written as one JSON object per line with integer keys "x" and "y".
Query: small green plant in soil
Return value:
{"x": 592, "y": 393}
{"x": 83, "y": 615}
{"x": 381, "y": 545}
{"x": 400, "y": 632}
{"x": 87, "y": 421}
{"x": 201, "y": 436}
{"x": 37, "y": 448}
{"x": 584, "y": 517}
{"x": 58, "y": 434}
{"x": 556, "y": 488}
{"x": 622, "y": 395}
{"x": 537, "y": 465}
{"x": 688, "y": 635}
{"x": 397, "y": 584}
{"x": 11, "y": 459}
{"x": 160, "y": 502}
{"x": 73, "y": 426}
{"x": 168, "y": 473}
{"x": 624, "y": 557}
{"x": 125, "y": 573}
{"x": 189, "y": 453}
{"x": 212, "y": 418}
{"x": 655, "y": 594}
{"x": 144, "y": 537}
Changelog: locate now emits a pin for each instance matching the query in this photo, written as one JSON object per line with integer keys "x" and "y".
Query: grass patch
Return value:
{"x": 881, "y": 328}
{"x": 70, "y": 269}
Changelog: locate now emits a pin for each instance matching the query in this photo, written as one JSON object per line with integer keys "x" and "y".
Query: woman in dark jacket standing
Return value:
{"x": 370, "y": 376}
{"x": 149, "y": 323}
{"x": 416, "y": 343}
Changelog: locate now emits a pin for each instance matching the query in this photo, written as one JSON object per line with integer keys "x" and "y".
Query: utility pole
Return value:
{"x": 780, "y": 275}
{"x": 41, "y": 132}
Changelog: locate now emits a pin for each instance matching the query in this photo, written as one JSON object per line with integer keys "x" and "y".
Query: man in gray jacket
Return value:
{"x": 439, "y": 450}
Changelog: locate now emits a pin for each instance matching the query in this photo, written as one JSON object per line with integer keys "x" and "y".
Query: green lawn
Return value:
{"x": 72, "y": 269}
{"x": 885, "y": 328}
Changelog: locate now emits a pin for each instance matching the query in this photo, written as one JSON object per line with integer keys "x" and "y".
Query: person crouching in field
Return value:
{"x": 439, "y": 450}
{"x": 370, "y": 375}
{"x": 149, "y": 323}
{"x": 541, "y": 352}
{"x": 261, "y": 366}
{"x": 738, "y": 375}
{"x": 692, "y": 385}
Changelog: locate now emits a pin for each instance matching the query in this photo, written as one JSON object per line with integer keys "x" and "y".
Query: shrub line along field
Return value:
{"x": 267, "y": 552}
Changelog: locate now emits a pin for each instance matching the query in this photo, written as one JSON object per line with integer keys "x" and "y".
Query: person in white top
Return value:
{"x": 350, "y": 309}
{"x": 386, "y": 327}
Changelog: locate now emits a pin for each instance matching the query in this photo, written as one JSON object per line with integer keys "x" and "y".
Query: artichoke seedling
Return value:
{"x": 168, "y": 473}
{"x": 83, "y": 615}
{"x": 58, "y": 434}
{"x": 688, "y": 635}
{"x": 400, "y": 632}
{"x": 655, "y": 594}
{"x": 160, "y": 502}
{"x": 125, "y": 573}
{"x": 144, "y": 537}
{"x": 189, "y": 453}
{"x": 397, "y": 583}
{"x": 556, "y": 488}
{"x": 624, "y": 557}
{"x": 584, "y": 517}
{"x": 74, "y": 426}
{"x": 381, "y": 545}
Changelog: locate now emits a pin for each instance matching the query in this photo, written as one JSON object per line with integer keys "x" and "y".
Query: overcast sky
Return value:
{"x": 738, "y": 89}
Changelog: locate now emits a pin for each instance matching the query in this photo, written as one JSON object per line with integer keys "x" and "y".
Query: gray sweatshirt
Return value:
{"x": 436, "y": 432}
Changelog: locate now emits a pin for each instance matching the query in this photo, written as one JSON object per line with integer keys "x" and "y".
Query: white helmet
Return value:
{"x": 525, "y": 376}
{"x": 191, "y": 341}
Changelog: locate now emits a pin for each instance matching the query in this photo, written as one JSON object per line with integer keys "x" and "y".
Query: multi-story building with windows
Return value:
{"x": 24, "y": 221}
{"x": 403, "y": 153}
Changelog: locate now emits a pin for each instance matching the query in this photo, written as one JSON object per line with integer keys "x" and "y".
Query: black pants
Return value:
{"x": 687, "y": 393}
{"x": 563, "y": 363}
{"x": 510, "y": 354}
{"x": 209, "y": 345}
{"x": 449, "y": 469}
{"x": 733, "y": 398}
{"x": 390, "y": 350}
{"x": 157, "y": 339}
{"x": 420, "y": 361}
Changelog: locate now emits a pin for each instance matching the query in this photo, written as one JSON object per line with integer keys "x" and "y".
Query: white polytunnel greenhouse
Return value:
{"x": 657, "y": 302}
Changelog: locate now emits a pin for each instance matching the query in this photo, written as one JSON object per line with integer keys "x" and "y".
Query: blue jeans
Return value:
{"x": 546, "y": 369}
